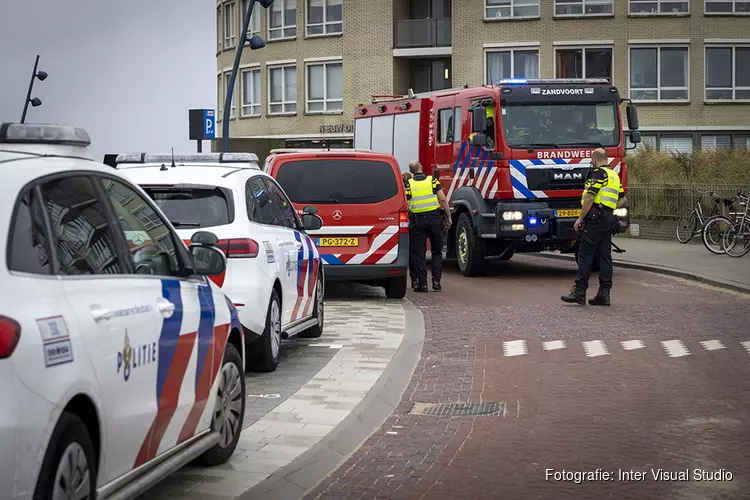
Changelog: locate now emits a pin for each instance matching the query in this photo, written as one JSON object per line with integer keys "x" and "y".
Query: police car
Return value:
{"x": 274, "y": 274}
{"x": 119, "y": 360}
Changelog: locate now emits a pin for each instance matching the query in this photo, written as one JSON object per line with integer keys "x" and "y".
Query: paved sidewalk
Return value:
{"x": 688, "y": 260}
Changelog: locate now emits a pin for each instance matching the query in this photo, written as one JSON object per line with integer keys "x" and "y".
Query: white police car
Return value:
{"x": 119, "y": 360}
{"x": 274, "y": 274}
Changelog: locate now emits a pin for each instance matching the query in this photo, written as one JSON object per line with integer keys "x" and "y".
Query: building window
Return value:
{"x": 324, "y": 17}
{"x": 659, "y": 74}
{"x": 282, "y": 20}
{"x": 219, "y": 97}
{"x": 727, "y": 73}
{"x": 504, "y": 9}
{"x": 218, "y": 28}
{"x": 658, "y": 7}
{"x": 282, "y": 90}
{"x": 676, "y": 143}
{"x": 742, "y": 142}
{"x": 325, "y": 87}
{"x": 727, "y": 7}
{"x": 583, "y": 7}
{"x": 716, "y": 141}
{"x": 251, "y": 92}
{"x": 230, "y": 22}
{"x": 522, "y": 63}
{"x": 587, "y": 62}
{"x": 254, "y": 27}
{"x": 233, "y": 110}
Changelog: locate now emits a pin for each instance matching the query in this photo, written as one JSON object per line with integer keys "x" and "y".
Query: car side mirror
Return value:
{"x": 204, "y": 238}
{"x": 478, "y": 140}
{"x": 635, "y": 136}
{"x": 310, "y": 210}
{"x": 479, "y": 119}
{"x": 311, "y": 222}
{"x": 632, "y": 115}
{"x": 208, "y": 260}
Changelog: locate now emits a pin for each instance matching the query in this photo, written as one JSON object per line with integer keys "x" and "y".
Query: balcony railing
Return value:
{"x": 416, "y": 33}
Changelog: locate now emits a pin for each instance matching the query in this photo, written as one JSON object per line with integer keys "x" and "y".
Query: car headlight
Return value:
{"x": 512, "y": 215}
{"x": 621, "y": 212}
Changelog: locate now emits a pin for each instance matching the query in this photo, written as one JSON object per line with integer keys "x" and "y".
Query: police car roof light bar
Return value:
{"x": 43, "y": 133}
{"x": 141, "y": 158}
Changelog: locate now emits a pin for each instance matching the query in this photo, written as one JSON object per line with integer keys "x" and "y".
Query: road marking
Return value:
{"x": 712, "y": 345}
{"x": 675, "y": 348}
{"x": 629, "y": 345}
{"x": 746, "y": 345}
{"x": 332, "y": 346}
{"x": 554, "y": 344}
{"x": 595, "y": 348}
{"x": 515, "y": 348}
{"x": 264, "y": 396}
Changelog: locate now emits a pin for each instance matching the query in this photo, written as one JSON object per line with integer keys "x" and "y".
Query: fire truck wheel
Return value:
{"x": 470, "y": 249}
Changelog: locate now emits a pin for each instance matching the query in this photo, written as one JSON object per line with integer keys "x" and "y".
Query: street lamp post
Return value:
{"x": 42, "y": 75}
{"x": 256, "y": 42}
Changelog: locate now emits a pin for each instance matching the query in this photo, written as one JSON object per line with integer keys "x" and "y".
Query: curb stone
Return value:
{"x": 307, "y": 471}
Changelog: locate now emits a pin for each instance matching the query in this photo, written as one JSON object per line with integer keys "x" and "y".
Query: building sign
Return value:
{"x": 342, "y": 128}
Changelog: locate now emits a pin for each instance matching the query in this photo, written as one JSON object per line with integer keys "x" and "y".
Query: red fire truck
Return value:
{"x": 512, "y": 157}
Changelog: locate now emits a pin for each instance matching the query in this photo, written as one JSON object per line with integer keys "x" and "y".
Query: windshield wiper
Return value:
{"x": 538, "y": 145}
{"x": 186, "y": 224}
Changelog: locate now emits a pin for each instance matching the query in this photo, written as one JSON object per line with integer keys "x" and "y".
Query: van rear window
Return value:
{"x": 336, "y": 181}
{"x": 193, "y": 207}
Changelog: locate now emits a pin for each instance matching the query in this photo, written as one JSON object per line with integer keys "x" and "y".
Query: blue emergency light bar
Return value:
{"x": 43, "y": 133}
{"x": 548, "y": 81}
{"x": 143, "y": 158}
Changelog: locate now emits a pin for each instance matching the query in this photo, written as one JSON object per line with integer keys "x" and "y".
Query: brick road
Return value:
{"x": 626, "y": 405}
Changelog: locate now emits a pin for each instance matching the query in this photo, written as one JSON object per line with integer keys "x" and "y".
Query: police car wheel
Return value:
{"x": 263, "y": 354}
{"x": 69, "y": 468}
{"x": 229, "y": 408}
{"x": 318, "y": 312}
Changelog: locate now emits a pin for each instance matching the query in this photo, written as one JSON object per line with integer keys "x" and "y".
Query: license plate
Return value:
{"x": 568, "y": 213}
{"x": 337, "y": 242}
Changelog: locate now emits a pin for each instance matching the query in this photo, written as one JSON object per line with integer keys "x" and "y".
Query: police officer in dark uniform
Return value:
{"x": 602, "y": 194}
{"x": 426, "y": 199}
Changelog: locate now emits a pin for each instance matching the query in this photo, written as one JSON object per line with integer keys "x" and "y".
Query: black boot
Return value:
{"x": 414, "y": 284}
{"x": 601, "y": 298}
{"x": 421, "y": 287}
{"x": 577, "y": 295}
{"x": 436, "y": 285}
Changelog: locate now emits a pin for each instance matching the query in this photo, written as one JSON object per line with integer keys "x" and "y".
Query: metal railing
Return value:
{"x": 670, "y": 201}
{"x": 416, "y": 33}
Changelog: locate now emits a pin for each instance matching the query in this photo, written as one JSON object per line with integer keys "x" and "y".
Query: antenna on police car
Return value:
{"x": 173, "y": 165}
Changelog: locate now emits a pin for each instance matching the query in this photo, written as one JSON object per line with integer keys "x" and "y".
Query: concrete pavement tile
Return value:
{"x": 225, "y": 488}
{"x": 318, "y": 429}
{"x": 275, "y": 449}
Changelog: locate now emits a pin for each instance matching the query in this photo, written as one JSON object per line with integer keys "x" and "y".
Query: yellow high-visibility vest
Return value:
{"x": 609, "y": 191}
{"x": 422, "y": 197}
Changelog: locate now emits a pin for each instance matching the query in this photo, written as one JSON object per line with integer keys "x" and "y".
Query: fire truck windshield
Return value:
{"x": 561, "y": 125}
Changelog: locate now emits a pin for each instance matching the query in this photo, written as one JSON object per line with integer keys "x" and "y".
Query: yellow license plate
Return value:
{"x": 568, "y": 213}
{"x": 337, "y": 242}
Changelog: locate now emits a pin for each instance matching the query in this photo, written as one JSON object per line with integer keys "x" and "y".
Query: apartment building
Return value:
{"x": 685, "y": 63}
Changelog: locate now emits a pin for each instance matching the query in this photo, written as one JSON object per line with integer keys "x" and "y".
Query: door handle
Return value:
{"x": 99, "y": 313}
{"x": 165, "y": 307}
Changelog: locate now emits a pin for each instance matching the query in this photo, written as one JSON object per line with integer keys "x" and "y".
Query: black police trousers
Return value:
{"x": 426, "y": 226}
{"x": 596, "y": 245}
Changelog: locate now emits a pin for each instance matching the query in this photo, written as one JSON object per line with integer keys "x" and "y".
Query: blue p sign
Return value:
{"x": 209, "y": 124}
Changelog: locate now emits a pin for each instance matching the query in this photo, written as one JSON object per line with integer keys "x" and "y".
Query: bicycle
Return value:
{"x": 715, "y": 228}
{"x": 693, "y": 220}
{"x": 736, "y": 240}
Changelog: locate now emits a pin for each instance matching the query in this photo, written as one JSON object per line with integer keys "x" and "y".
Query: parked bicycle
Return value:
{"x": 716, "y": 226}
{"x": 736, "y": 240}
{"x": 691, "y": 223}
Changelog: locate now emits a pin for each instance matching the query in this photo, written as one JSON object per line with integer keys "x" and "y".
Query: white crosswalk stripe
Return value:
{"x": 746, "y": 345}
{"x": 675, "y": 348}
{"x": 595, "y": 348}
{"x": 553, "y": 345}
{"x": 630, "y": 345}
{"x": 515, "y": 348}
{"x": 712, "y": 345}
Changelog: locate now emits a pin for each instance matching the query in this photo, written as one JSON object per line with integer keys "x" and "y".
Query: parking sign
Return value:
{"x": 209, "y": 124}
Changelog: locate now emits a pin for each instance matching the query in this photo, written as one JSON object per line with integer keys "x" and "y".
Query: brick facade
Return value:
{"x": 369, "y": 67}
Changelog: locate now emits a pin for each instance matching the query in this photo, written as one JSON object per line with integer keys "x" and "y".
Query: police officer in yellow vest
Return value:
{"x": 602, "y": 194}
{"x": 426, "y": 198}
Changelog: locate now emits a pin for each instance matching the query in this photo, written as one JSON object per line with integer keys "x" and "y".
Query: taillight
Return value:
{"x": 403, "y": 220}
{"x": 10, "y": 332}
{"x": 239, "y": 248}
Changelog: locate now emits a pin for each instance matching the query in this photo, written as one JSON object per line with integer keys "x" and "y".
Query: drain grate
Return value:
{"x": 459, "y": 409}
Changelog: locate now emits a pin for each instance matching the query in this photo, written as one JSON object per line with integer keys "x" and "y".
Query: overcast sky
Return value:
{"x": 125, "y": 70}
